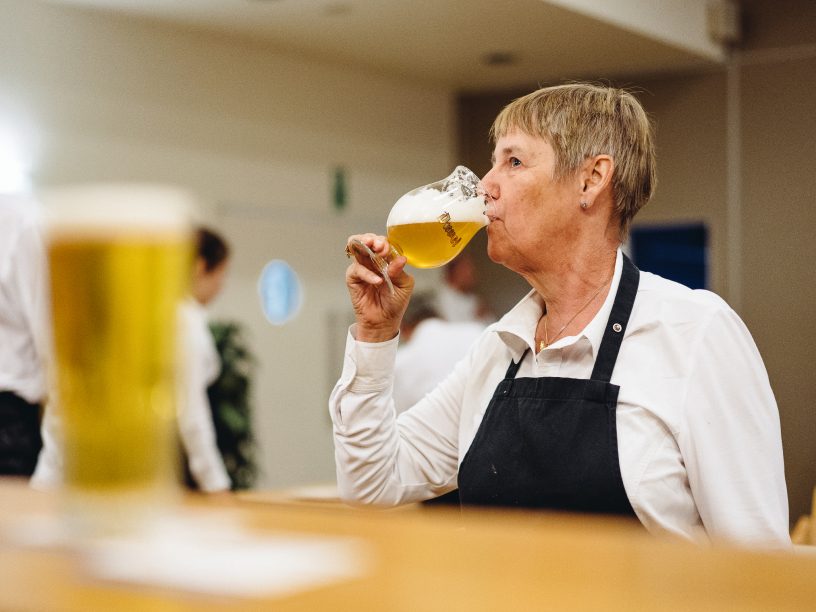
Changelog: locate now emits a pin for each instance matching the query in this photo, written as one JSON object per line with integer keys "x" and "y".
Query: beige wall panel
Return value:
{"x": 689, "y": 116}
{"x": 779, "y": 279}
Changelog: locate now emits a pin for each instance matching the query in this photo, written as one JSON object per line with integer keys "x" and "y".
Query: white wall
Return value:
{"x": 256, "y": 135}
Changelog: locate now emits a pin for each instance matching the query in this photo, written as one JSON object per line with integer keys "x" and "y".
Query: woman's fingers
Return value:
{"x": 357, "y": 272}
{"x": 371, "y": 251}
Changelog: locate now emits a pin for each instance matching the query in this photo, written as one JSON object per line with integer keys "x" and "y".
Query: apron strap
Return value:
{"x": 616, "y": 325}
{"x": 513, "y": 368}
{"x": 506, "y": 385}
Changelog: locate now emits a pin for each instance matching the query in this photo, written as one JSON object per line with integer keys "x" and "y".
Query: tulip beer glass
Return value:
{"x": 430, "y": 225}
{"x": 119, "y": 259}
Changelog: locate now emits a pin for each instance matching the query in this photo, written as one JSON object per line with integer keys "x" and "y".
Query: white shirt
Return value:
{"x": 454, "y": 305}
{"x": 424, "y": 361}
{"x": 202, "y": 367}
{"x": 698, "y": 428}
{"x": 23, "y": 303}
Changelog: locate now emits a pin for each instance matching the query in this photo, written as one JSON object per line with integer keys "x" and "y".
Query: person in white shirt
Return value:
{"x": 23, "y": 334}
{"x": 605, "y": 390}
{"x": 456, "y": 299}
{"x": 429, "y": 349}
{"x": 203, "y": 365}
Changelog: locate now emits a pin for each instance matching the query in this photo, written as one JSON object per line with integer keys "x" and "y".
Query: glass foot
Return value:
{"x": 369, "y": 258}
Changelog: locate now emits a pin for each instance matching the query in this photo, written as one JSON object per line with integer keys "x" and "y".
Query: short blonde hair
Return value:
{"x": 581, "y": 120}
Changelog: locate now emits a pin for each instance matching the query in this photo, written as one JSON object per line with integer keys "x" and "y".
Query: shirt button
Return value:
{"x": 617, "y": 327}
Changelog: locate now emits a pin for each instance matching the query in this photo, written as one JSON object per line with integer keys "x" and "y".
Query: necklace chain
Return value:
{"x": 546, "y": 341}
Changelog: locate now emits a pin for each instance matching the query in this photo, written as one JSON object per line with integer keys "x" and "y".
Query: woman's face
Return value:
{"x": 207, "y": 284}
{"x": 532, "y": 216}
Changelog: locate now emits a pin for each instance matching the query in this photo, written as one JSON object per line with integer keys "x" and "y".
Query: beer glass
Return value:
{"x": 119, "y": 262}
{"x": 430, "y": 225}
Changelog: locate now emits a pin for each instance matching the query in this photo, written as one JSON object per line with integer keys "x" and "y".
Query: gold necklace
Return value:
{"x": 542, "y": 344}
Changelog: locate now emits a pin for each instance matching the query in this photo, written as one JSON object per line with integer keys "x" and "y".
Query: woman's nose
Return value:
{"x": 489, "y": 186}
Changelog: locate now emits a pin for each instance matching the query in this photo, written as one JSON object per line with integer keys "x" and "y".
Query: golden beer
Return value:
{"x": 434, "y": 243}
{"x": 114, "y": 321}
{"x": 117, "y": 278}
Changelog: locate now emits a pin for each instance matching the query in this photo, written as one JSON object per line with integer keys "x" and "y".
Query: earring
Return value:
{"x": 584, "y": 204}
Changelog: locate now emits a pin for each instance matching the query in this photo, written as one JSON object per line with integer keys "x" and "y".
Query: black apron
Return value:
{"x": 20, "y": 440}
{"x": 552, "y": 442}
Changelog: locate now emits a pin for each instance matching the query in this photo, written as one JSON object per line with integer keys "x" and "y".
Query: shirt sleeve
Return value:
{"x": 382, "y": 459}
{"x": 32, "y": 280}
{"x": 28, "y": 282}
{"x": 31, "y": 273}
{"x": 732, "y": 444}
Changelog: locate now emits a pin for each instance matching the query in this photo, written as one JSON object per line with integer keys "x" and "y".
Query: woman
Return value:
{"x": 604, "y": 389}
{"x": 202, "y": 365}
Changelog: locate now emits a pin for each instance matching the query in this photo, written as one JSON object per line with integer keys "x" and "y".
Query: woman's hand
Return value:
{"x": 378, "y": 311}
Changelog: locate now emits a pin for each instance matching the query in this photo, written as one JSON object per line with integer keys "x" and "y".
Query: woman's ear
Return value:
{"x": 596, "y": 176}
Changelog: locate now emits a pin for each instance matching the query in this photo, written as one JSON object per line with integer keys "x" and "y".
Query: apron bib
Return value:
{"x": 552, "y": 442}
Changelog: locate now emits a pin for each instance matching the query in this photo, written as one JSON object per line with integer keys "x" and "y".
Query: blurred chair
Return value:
{"x": 804, "y": 532}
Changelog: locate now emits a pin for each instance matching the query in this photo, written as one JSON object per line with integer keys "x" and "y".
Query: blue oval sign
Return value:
{"x": 280, "y": 291}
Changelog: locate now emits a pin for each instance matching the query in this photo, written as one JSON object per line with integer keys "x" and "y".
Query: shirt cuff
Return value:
{"x": 369, "y": 366}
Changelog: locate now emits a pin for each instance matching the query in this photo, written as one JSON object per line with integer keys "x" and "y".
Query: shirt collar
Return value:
{"x": 517, "y": 328}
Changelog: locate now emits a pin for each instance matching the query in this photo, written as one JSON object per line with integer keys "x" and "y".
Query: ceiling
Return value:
{"x": 444, "y": 42}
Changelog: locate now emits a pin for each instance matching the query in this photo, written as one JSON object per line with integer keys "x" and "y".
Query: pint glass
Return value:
{"x": 119, "y": 259}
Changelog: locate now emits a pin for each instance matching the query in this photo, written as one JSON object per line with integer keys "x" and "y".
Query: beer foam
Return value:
{"x": 117, "y": 209}
{"x": 426, "y": 204}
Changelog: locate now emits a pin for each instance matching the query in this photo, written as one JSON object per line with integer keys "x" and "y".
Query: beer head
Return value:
{"x": 100, "y": 210}
{"x": 426, "y": 204}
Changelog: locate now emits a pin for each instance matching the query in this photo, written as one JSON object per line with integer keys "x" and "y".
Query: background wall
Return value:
{"x": 257, "y": 137}
{"x": 777, "y": 129}
{"x": 735, "y": 151}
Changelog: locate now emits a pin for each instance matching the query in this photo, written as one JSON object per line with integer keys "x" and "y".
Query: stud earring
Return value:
{"x": 584, "y": 204}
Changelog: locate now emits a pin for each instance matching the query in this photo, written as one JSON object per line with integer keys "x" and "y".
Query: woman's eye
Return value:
{"x": 515, "y": 162}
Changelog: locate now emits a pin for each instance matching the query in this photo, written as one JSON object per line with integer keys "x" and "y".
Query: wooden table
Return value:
{"x": 435, "y": 559}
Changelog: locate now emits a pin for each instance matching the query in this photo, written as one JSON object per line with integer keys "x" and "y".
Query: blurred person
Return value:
{"x": 605, "y": 389}
{"x": 429, "y": 349}
{"x": 23, "y": 334}
{"x": 456, "y": 298}
{"x": 202, "y": 364}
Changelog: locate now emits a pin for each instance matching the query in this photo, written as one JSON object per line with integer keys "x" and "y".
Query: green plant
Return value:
{"x": 230, "y": 404}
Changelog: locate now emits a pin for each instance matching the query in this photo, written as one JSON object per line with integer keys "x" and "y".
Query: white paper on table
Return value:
{"x": 214, "y": 555}
{"x": 316, "y": 492}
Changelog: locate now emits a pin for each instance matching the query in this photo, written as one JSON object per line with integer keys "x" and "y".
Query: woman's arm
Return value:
{"x": 732, "y": 442}
{"x": 382, "y": 459}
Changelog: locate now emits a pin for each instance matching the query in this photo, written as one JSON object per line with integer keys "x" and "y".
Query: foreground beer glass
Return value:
{"x": 119, "y": 259}
{"x": 430, "y": 225}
